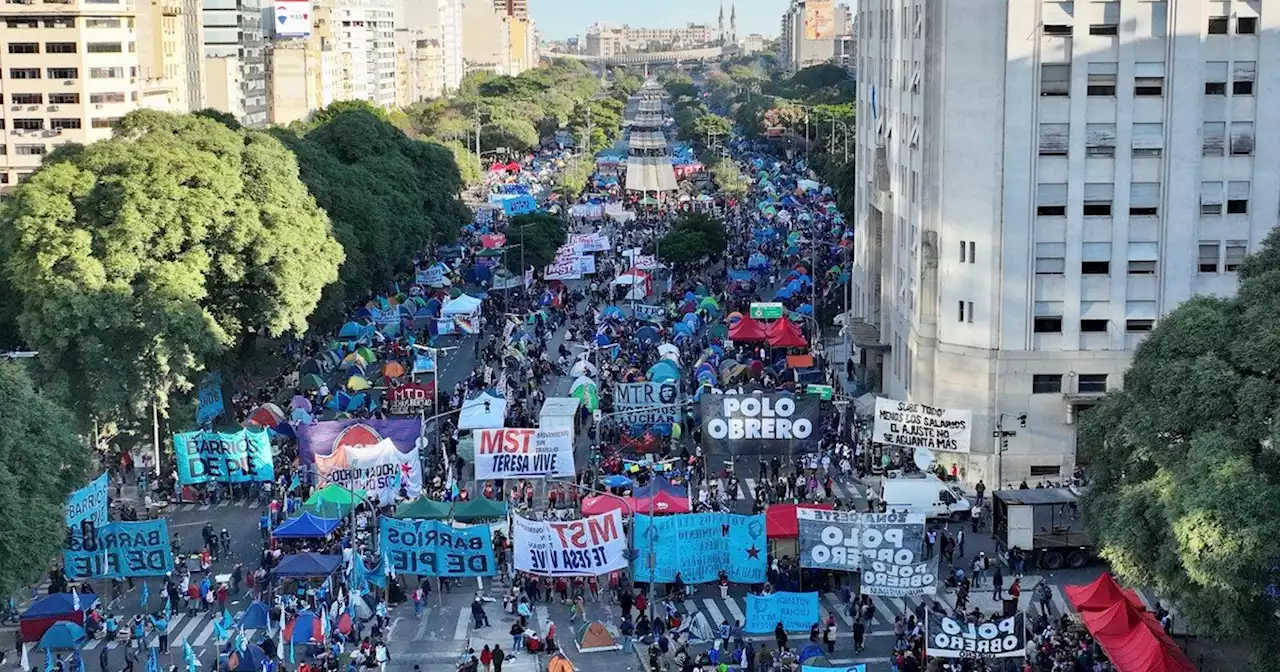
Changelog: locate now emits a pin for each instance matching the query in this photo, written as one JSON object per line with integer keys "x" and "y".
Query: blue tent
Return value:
{"x": 306, "y": 526}
{"x": 256, "y": 617}
{"x": 659, "y": 484}
{"x": 351, "y": 330}
{"x": 648, "y": 335}
{"x": 663, "y": 371}
{"x": 252, "y": 659}
{"x": 59, "y": 604}
{"x": 308, "y": 565}
{"x": 62, "y": 635}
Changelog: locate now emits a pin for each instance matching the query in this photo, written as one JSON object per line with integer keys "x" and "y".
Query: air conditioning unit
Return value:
{"x": 68, "y": 82}
{"x": 53, "y": 108}
{"x": 98, "y": 106}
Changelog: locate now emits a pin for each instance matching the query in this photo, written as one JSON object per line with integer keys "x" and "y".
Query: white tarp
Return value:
{"x": 462, "y": 305}
{"x": 901, "y": 423}
{"x": 380, "y": 469}
{"x": 589, "y": 546}
{"x": 484, "y": 412}
{"x": 524, "y": 453}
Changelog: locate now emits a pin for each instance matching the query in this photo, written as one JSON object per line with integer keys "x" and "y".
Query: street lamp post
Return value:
{"x": 435, "y": 384}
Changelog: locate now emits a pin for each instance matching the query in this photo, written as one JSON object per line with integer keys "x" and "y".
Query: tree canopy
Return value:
{"x": 729, "y": 177}
{"x": 693, "y": 236}
{"x": 572, "y": 180}
{"x": 539, "y": 235}
{"x": 41, "y": 463}
{"x": 144, "y": 257}
{"x": 1185, "y": 492}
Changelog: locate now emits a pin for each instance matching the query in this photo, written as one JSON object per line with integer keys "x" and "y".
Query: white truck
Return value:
{"x": 927, "y": 494}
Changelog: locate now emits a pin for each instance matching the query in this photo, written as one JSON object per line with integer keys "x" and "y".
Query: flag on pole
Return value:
{"x": 75, "y": 599}
{"x": 168, "y": 607}
{"x": 390, "y": 570}
{"x": 219, "y": 631}
{"x": 146, "y": 595}
{"x": 26, "y": 661}
{"x": 291, "y": 651}
{"x": 48, "y": 660}
{"x": 189, "y": 655}
{"x": 153, "y": 659}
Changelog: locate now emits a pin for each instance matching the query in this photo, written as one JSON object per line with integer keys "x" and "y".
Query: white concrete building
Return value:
{"x": 1044, "y": 181}
{"x": 235, "y": 51}
{"x": 364, "y": 32}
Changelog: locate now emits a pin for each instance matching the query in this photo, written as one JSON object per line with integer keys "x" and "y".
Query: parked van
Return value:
{"x": 918, "y": 493}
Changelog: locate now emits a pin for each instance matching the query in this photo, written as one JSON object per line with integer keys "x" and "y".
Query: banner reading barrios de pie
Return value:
{"x": 589, "y": 546}
{"x": 523, "y": 453}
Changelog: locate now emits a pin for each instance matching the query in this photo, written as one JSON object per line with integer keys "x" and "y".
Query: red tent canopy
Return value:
{"x": 780, "y": 520}
{"x": 497, "y": 167}
{"x": 662, "y": 502}
{"x": 784, "y": 334}
{"x": 598, "y": 504}
{"x": 1101, "y": 594}
{"x": 513, "y": 167}
{"x": 747, "y": 330}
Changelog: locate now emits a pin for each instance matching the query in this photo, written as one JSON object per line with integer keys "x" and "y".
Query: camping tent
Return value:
{"x": 463, "y": 305}
{"x": 334, "y": 494}
{"x": 559, "y": 663}
{"x": 50, "y": 609}
{"x": 593, "y": 637}
{"x": 662, "y": 502}
{"x": 424, "y": 508}
{"x": 479, "y": 509}
{"x": 62, "y": 635}
{"x": 660, "y": 484}
{"x": 306, "y": 526}
{"x": 698, "y": 628}
{"x": 784, "y": 334}
{"x": 308, "y": 565}
{"x": 1134, "y": 641}
{"x": 598, "y": 504}
{"x": 256, "y": 617}
{"x": 304, "y": 628}
{"x": 252, "y": 659}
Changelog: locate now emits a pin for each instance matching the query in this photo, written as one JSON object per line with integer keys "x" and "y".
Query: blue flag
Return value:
{"x": 168, "y": 608}
{"x": 290, "y": 651}
{"x": 189, "y": 655}
{"x": 77, "y": 663}
{"x": 48, "y": 660}
{"x": 146, "y": 595}
{"x": 219, "y": 631}
{"x": 153, "y": 659}
{"x": 226, "y": 619}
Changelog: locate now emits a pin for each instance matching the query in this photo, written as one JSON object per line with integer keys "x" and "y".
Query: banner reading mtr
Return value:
{"x": 523, "y": 453}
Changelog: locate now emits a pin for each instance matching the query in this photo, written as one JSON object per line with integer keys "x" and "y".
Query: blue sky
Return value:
{"x": 558, "y": 19}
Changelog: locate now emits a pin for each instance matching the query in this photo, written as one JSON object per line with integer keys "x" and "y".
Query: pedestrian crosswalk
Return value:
{"x": 196, "y": 506}
{"x": 198, "y": 630}
{"x": 749, "y": 488}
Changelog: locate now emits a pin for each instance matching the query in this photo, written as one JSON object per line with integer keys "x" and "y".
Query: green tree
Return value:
{"x": 539, "y": 235}
{"x": 143, "y": 258}
{"x": 709, "y": 128}
{"x": 470, "y": 170}
{"x": 1185, "y": 492}
{"x": 729, "y": 178}
{"x": 42, "y": 462}
{"x": 572, "y": 180}
{"x": 515, "y": 134}
{"x": 694, "y": 236}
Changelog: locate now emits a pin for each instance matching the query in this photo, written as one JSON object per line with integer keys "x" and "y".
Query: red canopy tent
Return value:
{"x": 784, "y": 334}
{"x": 1101, "y": 594}
{"x": 598, "y": 504}
{"x": 780, "y": 520}
{"x": 1131, "y": 637}
{"x": 513, "y": 167}
{"x": 497, "y": 167}
{"x": 662, "y": 502}
{"x": 747, "y": 330}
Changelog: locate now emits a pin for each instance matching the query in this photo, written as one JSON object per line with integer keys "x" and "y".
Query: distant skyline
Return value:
{"x": 559, "y": 19}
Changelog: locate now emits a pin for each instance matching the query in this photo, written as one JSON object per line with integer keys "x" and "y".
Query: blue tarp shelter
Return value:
{"x": 308, "y": 565}
{"x": 256, "y": 617}
{"x": 306, "y": 526}
{"x": 63, "y": 635}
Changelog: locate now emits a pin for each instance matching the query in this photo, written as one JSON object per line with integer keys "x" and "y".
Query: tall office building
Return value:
{"x": 364, "y": 33}
{"x": 449, "y": 19}
{"x": 1031, "y": 210}
{"x": 810, "y": 30}
{"x": 235, "y": 59}
{"x": 486, "y": 41}
{"x": 164, "y": 48}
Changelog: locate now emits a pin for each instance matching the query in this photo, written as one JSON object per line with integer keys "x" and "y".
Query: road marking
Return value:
{"x": 716, "y": 616}
{"x": 186, "y": 632}
{"x": 204, "y": 507}
{"x": 204, "y": 634}
{"x": 750, "y": 489}
{"x": 732, "y": 604}
{"x": 541, "y": 617}
{"x": 422, "y": 626}
{"x": 224, "y": 503}
{"x": 464, "y": 622}
{"x": 833, "y": 601}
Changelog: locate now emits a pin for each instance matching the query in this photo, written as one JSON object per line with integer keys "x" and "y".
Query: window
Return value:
{"x": 1246, "y": 25}
{"x": 1208, "y": 257}
{"x": 63, "y": 73}
{"x": 1047, "y": 325}
{"x": 1102, "y": 79}
{"x": 1148, "y": 139}
{"x": 1214, "y": 138}
{"x": 1218, "y": 25}
{"x": 1211, "y": 198}
{"x": 1235, "y": 252}
{"x": 1058, "y": 30}
{"x": 1055, "y": 79}
{"x": 1242, "y": 75}
{"x": 1159, "y": 18}
{"x": 1093, "y": 326}
{"x": 106, "y": 73}
{"x": 60, "y": 47}
{"x": 63, "y": 22}
{"x": 1104, "y": 29}
{"x": 1110, "y": 20}
{"x": 1054, "y": 139}
{"x": 968, "y": 253}
{"x": 1144, "y": 199}
{"x": 22, "y": 23}
{"x": 973, "y": 252}
{"x": 24, "y": 47}
{"x": 28, "y": 124}
{"x": 1241, "y": 138}
{"x": 964, "y": 251}
{"x": 100, "y": 98}
{"x": 1237, "y": 198}
{"x": 1148, "y": 86}
{"x": 966, "y": 316}
{"x": 1138, "y": 325}
{"x": 1100, "y": 140}
{"x": 104, "y": 48}
{"x": 1046, "y": 383}
{"x": 30, "y": 150}
{"x": 1095, "y": 259}
{"x": 1051, "y": 200}
{"x": 1142, "y": 258}
{"x": 102, "y": 23}
{"x": 64, "y": 124}
{"x": 1051, "y": 259}
{"x": 24, "y": 73}
{"x": 26, "y": 99}
{"x": 1092, "y": 383}
{"x": 64, "y": 99}
{"x": 1215, "y": 78}
{"x": 1097, "y": 199}
{"x": 105, "y": 122}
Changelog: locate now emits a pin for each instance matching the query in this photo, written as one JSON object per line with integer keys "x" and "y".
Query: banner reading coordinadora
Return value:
{"x": 759, "y": 424}
{"x": 885, "y": 547}
{"x": 795, "y": 611}
{"x": 899, "y": 423}
{"x": 698, "y": 546}
{"x": 224, "y": 457}
{"x": 381, "y": 470}
{"x": 949, "y": 638}
{"x": 586, "y": 547}
{"x": 121, "y": 550}
{"x": 432, "y": 548}
{"x": 524, "y": 453}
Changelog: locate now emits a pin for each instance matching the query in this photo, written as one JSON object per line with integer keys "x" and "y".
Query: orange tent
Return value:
{"x": 595, "y": 637}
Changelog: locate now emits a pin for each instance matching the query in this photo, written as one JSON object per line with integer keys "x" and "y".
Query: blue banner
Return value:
{"x": 432, "y": 548}
{"x": 209, "y": 397}
{"x": 121, "y": 550}
{"x": 88, "y": 503}
{"x": 698, "y": 546}
{"x": 852, "y": 668}
{"x": 795, "y": 611}
{"x": 517, "y": 189}
{"x": 520, "y": 205}
{"x": 224, "y": 457}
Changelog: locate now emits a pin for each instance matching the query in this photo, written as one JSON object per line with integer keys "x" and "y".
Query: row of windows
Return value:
{"x": 1218, "y": 25}
{"x": 1147, "y": 139}
{"x": 71, "y": 73}
{"x": 1148, "y": 81}
{"x": 1086, "y": 383}
{"x": 69, "y": 47}
{"x": 57, "y": 124}
{"x": 1053, "y": 325}
{"x": 38, "y": 99}
{"x": 1051, "y": 259}
{"x": 1144, "y": 199}
{"x": 1228, "y": 256}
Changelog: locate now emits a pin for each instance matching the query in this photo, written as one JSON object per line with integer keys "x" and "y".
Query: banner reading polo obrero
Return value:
{"x": 886, "y": 547}
{"x": 524, "y": 453}
{"x": 377, "y": 455}
{"x": 589, "y": 546}
{"x": 900, "y": 423}
{"x": 759, "y": 424}
{"x": 949, "y": 638}
{"x": 224, "y": 457}
{"x": 698, "y": 546}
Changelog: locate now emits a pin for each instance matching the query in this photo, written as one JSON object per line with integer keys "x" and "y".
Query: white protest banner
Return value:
{"x": 563, "y": 269}
{"x": 887, "y": 547}
{"x": 591, "y": 242}
{"x": 589, "y": 546}
{"x": 380, "y": 469}
{"x": 949, "y": 638}
{"x": 524, "y": 453}
{"x": 900, "y": 423}
{"x": 586, "y": 264}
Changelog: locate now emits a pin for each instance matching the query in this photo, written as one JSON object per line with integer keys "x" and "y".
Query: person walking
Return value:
{"x": 626, "y": 629}
{"x": 498, "y": 656}
{"x": 829, "y": 634}
{"x": 1044, "y": 597}
{"x": 780, "y": 636}
{"x": 997, "y": 583}
{"x": 104, "y": 656}
{"x": 979, "y": 569}
{"x": 960, "y": 541}
{"x": 517, "y": 636}
{"x": 130, "y": 657}
{"x": 859, "y": 635}
{"x": 486, "y": 658}
{"x": 975, "y": 516}
{"x": 477, "y": 613}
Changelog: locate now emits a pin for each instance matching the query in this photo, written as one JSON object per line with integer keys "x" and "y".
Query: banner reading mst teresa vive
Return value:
{"x": 698, "y": 546}
{"x": 224, "y": 457}
{"x": 759, "y": 424}
{"x": 586, "y": 547}
{"x": 886, "y": 547}
{"x": 120, "y": 550}
{"x": 523, "y": 453}
{"x": 432, "y": 548}
{"x": 900, "y": 423}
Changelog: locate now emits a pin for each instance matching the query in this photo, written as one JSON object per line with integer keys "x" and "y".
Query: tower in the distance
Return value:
{"x": 733, "y": 23}
{"x": 720, "y": 27}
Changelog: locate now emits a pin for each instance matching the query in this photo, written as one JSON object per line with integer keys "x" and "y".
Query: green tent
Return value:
{"x": 330, "y": 509}
{"x": 335, "y": 494}
{"x": 424, "y": 508}
{"x": 478, "y": 510}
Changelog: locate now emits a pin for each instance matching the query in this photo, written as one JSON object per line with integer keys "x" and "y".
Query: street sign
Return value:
{"x": 823, "y": 392}
{"x": 766, "y": 311}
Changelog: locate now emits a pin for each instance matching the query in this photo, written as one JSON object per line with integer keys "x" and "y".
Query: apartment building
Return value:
{"x": 235, "y": 46}
{"x": 514, "y": 8}
{"x": 426, "y": 70}
{"x": 363, "y": 32}
{"x": 609, "y": 40}
{"x": 166, "y": 52}
{"x": 1031, "y": 210}
{"x": 812, "y": 33}
{"x": 68, "y": 71}
{"x": 486, "y": 41}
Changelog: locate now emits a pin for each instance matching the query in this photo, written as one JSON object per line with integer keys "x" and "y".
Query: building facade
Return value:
{"x": 486, "y": 39}
{"x": 1017, "y": 245}
{"x": 234, "y": 41}
{"x": 364, "y": 33}
{"x": 611, "y": 41}
{"x": 163, "y": 54}
{"x": 810, "y": 33}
